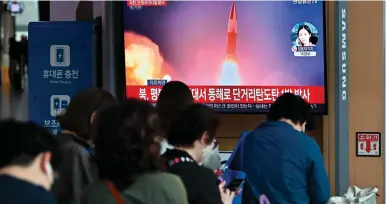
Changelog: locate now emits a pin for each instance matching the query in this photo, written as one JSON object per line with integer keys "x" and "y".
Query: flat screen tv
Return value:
{"x": 237, "y": 57}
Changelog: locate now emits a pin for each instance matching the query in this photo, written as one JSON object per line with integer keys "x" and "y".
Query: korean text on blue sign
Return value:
{"x": 60, "y": 65}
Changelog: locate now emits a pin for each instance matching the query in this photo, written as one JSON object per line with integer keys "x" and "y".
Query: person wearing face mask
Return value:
{"x": 29, "y": 155}
{"x": 174, "y": 97}
{"x": 280, "y": 160}
{"x": 77, "y": 169}
{"x": 192, "y": 134}
{"x": 129, "y": 165}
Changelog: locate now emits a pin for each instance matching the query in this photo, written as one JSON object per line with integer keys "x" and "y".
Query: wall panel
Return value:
{"x": 366, "y": 86}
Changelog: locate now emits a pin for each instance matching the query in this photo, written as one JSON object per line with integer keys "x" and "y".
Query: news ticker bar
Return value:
{"x": 235, "y": 94}
{"x": 252, "y": 107}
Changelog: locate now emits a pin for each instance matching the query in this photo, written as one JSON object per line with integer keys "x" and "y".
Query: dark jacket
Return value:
{"x": 17, "y": 191}
{"x": 76, "y": 170}
{"x": 14, "y": 50}
{"x": 151, "y": 188}
{"x": 284, "y": 164}
{"x": 200, "y": 182}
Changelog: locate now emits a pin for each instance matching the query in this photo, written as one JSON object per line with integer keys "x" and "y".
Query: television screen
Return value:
{"x": 235, "y": 56}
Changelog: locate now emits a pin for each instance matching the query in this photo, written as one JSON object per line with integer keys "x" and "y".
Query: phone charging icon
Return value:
{"x": 58, "y": 104}
{"x": 60, "y": 55}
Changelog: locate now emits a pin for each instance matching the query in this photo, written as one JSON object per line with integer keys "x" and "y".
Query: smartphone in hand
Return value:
{"x": 234, "y": 185}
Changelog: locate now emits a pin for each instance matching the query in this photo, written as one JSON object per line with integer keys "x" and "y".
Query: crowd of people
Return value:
{"x": 111, "y": 152}
{"x": 17, "y": 61}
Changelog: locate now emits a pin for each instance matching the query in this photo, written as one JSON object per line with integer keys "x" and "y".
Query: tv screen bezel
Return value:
{"x": 119, "y": 26}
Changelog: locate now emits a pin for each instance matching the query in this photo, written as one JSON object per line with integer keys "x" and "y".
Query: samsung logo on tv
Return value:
{"x": 344, "y": 55}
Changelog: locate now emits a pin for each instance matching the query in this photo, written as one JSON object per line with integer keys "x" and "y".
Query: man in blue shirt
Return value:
{"x": 27, "y": 153}
{"x": 280, "y": 160}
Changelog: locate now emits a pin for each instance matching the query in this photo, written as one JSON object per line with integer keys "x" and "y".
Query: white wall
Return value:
{"x": 30, "y": 13}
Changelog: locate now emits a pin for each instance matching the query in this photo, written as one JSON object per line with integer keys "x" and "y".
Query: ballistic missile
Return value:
{"x": 232, "y": 33}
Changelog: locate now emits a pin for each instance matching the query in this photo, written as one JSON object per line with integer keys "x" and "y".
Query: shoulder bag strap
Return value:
{"x": 242, "y": 150}
{"x": 114, "y": 192}
{"x": 252, "y": 188}
{"x": 239, "y": 145}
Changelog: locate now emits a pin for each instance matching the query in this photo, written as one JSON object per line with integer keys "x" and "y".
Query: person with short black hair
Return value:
{"x": 29, "y": 156}
{"x": 174, "y": 97}
{"x": 75, "y": 140}
{"x": 192, "y": 133}
{"x": 280, "y": 160}
{"x": 127, "y": 155}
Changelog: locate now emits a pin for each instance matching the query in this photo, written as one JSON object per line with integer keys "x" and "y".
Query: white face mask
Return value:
{"x": 164, "y": 145}
{"x": 213, "y": 159}
{"x": 50, "y": 173}
{"x": 207, "y": 151}
{"x": 303, "y": 129}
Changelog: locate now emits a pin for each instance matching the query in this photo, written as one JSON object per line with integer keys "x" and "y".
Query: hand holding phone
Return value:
{"x": 234, "y": 185}
{"x": 226, "y": 195}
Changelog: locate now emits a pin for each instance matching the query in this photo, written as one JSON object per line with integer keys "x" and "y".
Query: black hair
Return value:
{"x": 125, "y": 145}
{"x": 314, "y": 39}
{"x": 76, "y": 117}
{"x": 292, "y": 107}
{"x": 85, "y": 11}
{"x": 191, "y": 124}
{"x": 22, "y": 142}
{"x": 174, "y": 97}
{"x": 12, "y": 40}
{"x": 307, "y": 28}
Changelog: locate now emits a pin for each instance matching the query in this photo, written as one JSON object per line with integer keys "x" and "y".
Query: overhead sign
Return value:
{"x": 368, "y": 144}
{"x": 15, "y": 7}
{"x": 60, "y": 65}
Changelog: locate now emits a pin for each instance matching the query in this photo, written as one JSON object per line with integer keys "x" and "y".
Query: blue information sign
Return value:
{"x": 60, "y": 65}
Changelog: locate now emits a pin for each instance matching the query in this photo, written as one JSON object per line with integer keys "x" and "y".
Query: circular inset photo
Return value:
{"x": 304, "y": 34}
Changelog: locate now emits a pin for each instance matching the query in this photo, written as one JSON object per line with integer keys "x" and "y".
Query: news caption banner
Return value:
{"x": 140, "y": 3}
{"x": 368, "y": 144}
{"x": 60, "y": 65}
{"x": 230, "y": 98}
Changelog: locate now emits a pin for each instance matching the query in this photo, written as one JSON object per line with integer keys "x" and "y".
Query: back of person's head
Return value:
{"x": 12, "y": 40}
{"x": 173, "y": 98}
{"x": 27, "y": 147}
{"x": 293, "y": 108}
{"x": 83, "y": 109}
{"x": 194, "y": 127}
{"x": 125, "y": 144}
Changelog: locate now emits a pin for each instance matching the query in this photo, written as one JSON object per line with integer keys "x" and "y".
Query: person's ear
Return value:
{"x": 45, "y": 161}
{"x": 93, "y": 117}
{"x": 304, "y": 126}
{"x": 204, "y": 138}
